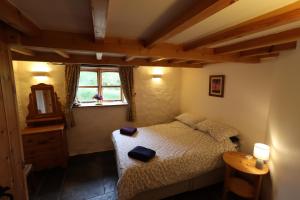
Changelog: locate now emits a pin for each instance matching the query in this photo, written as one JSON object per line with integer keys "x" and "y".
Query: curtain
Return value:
{"x": 72, "y": 72}
{"x": 126, "y": 76}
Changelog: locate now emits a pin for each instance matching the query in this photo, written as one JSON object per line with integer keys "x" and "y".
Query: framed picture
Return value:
{"x": 216, "y": 85}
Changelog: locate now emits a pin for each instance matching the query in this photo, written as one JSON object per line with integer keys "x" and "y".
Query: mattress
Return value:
{"x": 182, "y": 153}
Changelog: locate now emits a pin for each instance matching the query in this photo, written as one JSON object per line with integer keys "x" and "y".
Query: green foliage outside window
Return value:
{"x": 88, "y": 78}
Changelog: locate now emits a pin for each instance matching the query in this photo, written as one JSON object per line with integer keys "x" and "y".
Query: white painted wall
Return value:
{"x": 246, "y": 101}
{"x": 284, "y": 128}
{"x": 157, "y": 101}
{"x": 93, "y": 129}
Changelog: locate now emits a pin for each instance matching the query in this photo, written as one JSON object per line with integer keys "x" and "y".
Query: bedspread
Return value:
{"x": 182, "y": 153}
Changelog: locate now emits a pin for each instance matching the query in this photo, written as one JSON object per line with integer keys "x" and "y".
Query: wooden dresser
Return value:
{"x": 45, "y": 146}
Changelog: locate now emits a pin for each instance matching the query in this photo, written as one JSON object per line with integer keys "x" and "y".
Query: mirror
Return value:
{"x": 44, "y": 105}
{"x": 44, "y": 101}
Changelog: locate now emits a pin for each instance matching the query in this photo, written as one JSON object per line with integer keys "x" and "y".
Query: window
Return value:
{"x": 102, "y": 81}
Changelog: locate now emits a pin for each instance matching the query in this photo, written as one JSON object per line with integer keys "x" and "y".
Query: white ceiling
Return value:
{"x": 60, "y": 15}
{"x": 137, "y": 19}
{"x": 262, "y": 33}
{"x": 236, "y": 13}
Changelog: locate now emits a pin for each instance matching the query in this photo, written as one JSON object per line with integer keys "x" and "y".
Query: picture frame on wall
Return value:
{"x": 216, "y": 85}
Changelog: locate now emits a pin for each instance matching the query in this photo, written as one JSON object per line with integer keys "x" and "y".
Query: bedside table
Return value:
{"x": 238, "y": 162}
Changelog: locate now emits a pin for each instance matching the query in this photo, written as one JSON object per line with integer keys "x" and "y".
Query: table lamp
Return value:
{"x": 262, "y": 153}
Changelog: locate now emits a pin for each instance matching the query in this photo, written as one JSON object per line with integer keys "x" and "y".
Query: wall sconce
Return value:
{"x": 157, "y": 73}
{"x": 40, "y": 67}
{"x": 262, "y": 153}
{"x": 40, "y": 76}
{"x": 40, "y": 71}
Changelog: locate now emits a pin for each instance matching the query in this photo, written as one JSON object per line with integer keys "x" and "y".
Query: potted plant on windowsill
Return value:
{"x": 98, "y": 99}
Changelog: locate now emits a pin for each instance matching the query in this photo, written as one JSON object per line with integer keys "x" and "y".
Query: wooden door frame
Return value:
{"x": 13, "y": 156}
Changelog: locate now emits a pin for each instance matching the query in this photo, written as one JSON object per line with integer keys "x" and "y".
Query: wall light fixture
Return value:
{"x": 40, "y": 71}
{"x": 157, "y": 73}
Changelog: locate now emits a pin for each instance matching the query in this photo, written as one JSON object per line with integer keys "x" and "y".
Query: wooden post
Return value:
{"x": 258, "y": 181}
{"x": 228, "y": 172}
{"x": 11, "y": 152}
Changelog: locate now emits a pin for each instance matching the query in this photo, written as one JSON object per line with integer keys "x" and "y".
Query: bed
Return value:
{"x": 186, "y": 159}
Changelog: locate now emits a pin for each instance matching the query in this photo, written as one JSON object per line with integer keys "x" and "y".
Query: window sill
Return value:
{"x": 104, "y": 104}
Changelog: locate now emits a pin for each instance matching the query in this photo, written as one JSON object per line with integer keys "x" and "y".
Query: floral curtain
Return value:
{"x": 72, "y": 73}
{"x": 127, "y": 82}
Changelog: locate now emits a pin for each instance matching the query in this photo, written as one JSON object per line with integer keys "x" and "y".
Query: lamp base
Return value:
{"x": 259, "y": 164}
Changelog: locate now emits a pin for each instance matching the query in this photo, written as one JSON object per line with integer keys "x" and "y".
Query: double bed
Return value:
{"x": 186, "y": 159}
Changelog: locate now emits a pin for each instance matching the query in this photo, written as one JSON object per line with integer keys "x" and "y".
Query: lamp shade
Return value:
{"x": 261, "y": 151}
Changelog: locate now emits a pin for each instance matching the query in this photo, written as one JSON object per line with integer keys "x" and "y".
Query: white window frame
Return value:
{"x": 99, "y": 86}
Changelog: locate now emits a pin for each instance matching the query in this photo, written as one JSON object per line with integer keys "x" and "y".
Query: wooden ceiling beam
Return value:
{"x": 269, "y": 49}
{"x": 267, "y": 56}
{"x": 13, "y": 17}
{"x": 157, "y": 59}
{"x": 177, "y": 61}
{"x": 209, "y": 63}
{"x": 61, "y": 53}
{"x": 83, "y": 42}
{"x": 130, "y": 58}
{"x": 273, "y": 39}
{"x": 22, "y": 50}
{"x": 88, "y": 59}
{"x": 195, "y": 61}
{"x": 99, "y": 9}
{"x": 197, "y": 13}
{"x": 279, "y": 17}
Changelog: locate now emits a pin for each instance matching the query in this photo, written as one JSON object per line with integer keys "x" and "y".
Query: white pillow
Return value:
{"x": 217, "y": 130}
{"x": 189, "y": 119}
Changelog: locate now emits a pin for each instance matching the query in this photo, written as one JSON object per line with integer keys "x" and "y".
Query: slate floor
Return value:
{"x": 94, "y": 177}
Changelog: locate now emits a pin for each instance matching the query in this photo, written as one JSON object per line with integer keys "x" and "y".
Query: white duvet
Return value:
{"x": 182, "y": 153}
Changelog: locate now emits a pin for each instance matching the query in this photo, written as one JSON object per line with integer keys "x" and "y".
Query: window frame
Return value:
{"x": 99, "y": 71}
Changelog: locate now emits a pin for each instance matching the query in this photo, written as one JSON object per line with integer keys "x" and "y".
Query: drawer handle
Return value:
{"x": 43, "y": 142}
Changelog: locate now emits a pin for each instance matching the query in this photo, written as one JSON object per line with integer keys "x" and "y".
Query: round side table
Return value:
{"x": 236, "y": 161}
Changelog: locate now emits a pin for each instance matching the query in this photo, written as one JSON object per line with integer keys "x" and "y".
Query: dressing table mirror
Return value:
{"x": 44, "y": 102}
{"x": 44, "y": 138}
{"x": 44, "y": 106}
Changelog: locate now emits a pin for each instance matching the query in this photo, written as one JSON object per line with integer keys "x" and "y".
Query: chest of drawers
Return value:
{"x": 45, "y": 146}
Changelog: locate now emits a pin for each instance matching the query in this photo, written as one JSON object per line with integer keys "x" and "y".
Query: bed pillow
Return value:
{"x": 189, "y": 119}
{"x": 217, "y": 130}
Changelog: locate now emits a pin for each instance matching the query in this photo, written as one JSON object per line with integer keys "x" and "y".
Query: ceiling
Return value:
{"x": 238, "y": 12}
{"x": 135, "y": 32}
{"x": 137, "y": 19}
{"x": 59, "y": 15}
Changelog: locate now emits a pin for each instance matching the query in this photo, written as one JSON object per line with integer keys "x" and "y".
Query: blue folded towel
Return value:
{"x": 142, "y": 153}
{"x": 128, "y": 131}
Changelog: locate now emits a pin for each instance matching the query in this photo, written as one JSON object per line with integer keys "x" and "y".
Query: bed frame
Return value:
{"x": 207, "y": 179}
